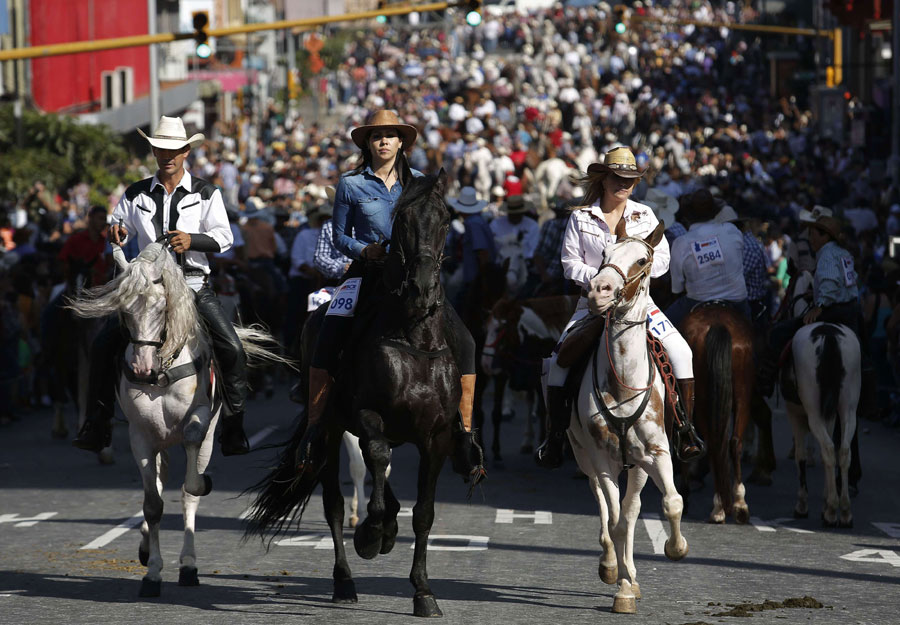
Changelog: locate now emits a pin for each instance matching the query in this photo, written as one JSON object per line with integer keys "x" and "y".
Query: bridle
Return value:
{"x": 629, "y": 280}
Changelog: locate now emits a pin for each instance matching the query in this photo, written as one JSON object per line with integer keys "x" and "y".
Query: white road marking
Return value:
{"x": 877, "y": 556}
{"x": 540, "y": 517}
{"x": 26, "y": 521}
{"x": 261, "y": 435}
{"x": 470, "y": 543}
{"x": 656, "y": 531}
{"x": 891, "y": 529}
{"x": 769, "y": 526}
{"x": 114, "y": 533}
{"x": 316, "y": 541}
{"x": 404, "y": 512}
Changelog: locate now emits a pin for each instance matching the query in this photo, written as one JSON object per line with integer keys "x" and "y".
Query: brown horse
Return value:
{"x": 722, "y": 342}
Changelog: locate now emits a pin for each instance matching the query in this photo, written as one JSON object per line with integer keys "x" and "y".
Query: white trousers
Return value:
{"x": 679, "y": 351}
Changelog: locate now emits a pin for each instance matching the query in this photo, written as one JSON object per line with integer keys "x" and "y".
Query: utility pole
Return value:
{"x": 154, "y": 64}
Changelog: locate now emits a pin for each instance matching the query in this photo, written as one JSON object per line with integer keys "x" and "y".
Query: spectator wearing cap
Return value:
{"x": 707, "y": 262}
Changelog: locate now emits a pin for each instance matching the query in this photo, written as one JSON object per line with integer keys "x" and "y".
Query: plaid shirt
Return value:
{"x": 755, "y": 275}
{"x": 549, "y": 247}
{"x": 329, "y": 259}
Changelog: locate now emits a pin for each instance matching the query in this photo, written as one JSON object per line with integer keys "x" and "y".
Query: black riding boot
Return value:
{"x": 232, "y": 367}
{"x": 559, "y": 411}
{"x": 688, "y": 444}
{"x": 96, "y": 433}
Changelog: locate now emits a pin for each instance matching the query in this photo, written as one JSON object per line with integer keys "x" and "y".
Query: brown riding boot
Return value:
{"x": 468, "y": 459}
{"x": 309, "y": 453}
{"x": 688, "y": 444}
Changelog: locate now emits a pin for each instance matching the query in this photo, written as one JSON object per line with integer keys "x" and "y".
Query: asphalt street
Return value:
{"x": 524, "y": 549}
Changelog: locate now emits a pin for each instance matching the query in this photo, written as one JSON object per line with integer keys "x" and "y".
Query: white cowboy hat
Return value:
{"x": 170, "y": 135}
{"x": 664, "y": 205}
{"x": 809, "y": 217}
{"x": 467, "y": 203}
{"x": 726, "y": 215}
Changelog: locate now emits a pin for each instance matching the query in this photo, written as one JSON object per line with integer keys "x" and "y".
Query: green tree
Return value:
{"x": 59, "y": 152}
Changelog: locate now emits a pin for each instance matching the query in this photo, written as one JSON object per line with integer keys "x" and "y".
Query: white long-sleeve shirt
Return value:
{"x": 587, "y": 235}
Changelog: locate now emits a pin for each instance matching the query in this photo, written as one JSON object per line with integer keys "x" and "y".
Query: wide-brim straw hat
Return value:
{"x": 170, "y": 135}
{"x": 467, "y": 203}
{"x": 619, "y": 161}
{"x": 810, "y": 217}
{"x": 829, "y": 225}
{"x": 384, "y": 119}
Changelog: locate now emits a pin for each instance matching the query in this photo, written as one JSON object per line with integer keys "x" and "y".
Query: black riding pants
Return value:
{"x": 227, "y": 349}
{"x": 336, "y": 330}
{"x": 846, "y": 313}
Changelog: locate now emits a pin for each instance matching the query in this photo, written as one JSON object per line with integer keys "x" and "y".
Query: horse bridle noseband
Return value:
{"x": 628, "y": 280}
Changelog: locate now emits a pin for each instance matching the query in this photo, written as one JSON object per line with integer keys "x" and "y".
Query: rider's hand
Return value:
{"x": 118, "y": 234}
{"x": 180, "y": 241}
{"x": 812, "y": 315}
{"x": 373, "y": 251}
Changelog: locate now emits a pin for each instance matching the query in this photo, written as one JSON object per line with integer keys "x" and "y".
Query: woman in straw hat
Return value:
{"x": 363, "y": 207}
{"x": 608, "y": 213}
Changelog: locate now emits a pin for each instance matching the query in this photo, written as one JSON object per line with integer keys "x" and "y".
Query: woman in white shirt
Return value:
{"x": 607, "y": 214}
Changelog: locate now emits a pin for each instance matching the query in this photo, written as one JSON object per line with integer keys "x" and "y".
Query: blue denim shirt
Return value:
{"x": 362, "y": 211}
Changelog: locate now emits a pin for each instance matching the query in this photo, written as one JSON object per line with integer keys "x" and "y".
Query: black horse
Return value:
{"x": 399, "y": 385}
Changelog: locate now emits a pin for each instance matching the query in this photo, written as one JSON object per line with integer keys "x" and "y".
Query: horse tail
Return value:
{"x": 720, "y": 400}
{"x": 254, "y": 339}
{"x": 829, "y": 368}
{"x": 282, "y": 496}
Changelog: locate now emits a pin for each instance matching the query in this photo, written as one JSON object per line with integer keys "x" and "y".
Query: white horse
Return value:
{"x": 618, "y": 420}
{"x": 826, "y": 371}
{"x": 165, "y": 390}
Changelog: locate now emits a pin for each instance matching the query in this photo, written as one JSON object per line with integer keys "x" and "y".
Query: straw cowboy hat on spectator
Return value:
{"x": 170, "y": 135}
{"x": 810, "y": 217}
{"x": 467, "y": 203}
{"x": 383, "y": 120}
{"x": 829, "y": 225}
{"x": 664, "y": 205}
{"x": 619, "y": 161}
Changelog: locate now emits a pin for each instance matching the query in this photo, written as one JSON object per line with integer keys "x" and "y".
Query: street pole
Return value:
{"x": 154, "y": 62}
{"x": 895, "y": 96}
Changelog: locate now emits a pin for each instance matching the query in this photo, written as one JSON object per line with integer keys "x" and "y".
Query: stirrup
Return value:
{"x": 687, "y": 433}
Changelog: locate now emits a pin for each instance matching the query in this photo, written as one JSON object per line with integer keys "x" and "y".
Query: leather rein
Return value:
{"x": 621, "y": 425}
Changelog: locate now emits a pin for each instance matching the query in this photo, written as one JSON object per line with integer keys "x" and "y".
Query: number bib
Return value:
{"x": 849, "y": 273}
{"x": 317, "y": 298}
{"x": 659, "y": 324}
{"x": 343, "y": 302}
{"x": 708, "y": 252}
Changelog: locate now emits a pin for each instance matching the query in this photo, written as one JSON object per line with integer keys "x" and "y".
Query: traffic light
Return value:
{"x": 201, "y": 36}
{"x": 473, "y": 13}
{"x": 619, "y": 18}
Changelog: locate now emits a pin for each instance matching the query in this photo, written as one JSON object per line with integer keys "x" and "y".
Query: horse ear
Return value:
{"x": 656, "y": 236}
{"x": 440, "y": 184}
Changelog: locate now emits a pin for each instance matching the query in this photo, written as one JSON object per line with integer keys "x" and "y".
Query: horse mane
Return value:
{"x": 132, "y": 285}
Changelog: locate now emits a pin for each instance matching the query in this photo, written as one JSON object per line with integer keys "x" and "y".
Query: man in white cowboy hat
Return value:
{"x": 190, "y": 211}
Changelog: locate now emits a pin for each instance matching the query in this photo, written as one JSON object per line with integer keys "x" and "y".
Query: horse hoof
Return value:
{"x": 106, "y": 456}
{"x": 187, "y": 576}
{"x": 367, "y": 540}
{"x": 676, "y": 553}
{"x": 390, "y": 537}
{"x": 801, "y": 515}
{"x": 741, "y": 514}
{"x": 609, "y": 574}
{"x": 845, "y": 524}
{"x": 624, "y": 605}
{"x": 827, "y": 523}
{"x": 526, "y": 449}
{"x": 344, "y": 591}
{"x": 426, "y": 606}
{"x": 636, "y": 590}
{"x": 150, "y": 588}
{"x": 207, "y": 485}
{"x": 143, "y": 556}
{"x": 353, "y": 520}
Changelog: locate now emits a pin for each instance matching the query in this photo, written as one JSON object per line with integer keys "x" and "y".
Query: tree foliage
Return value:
{"x": 57, "y": 151}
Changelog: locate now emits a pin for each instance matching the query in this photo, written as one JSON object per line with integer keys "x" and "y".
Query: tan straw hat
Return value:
{"x": 619, "y": 161}
{"x": 828, "y": 225}
{"x": 170, "y": 135}
{"x": 384, "y": 119}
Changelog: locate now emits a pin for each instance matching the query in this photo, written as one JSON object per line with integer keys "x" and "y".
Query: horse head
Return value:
{"x": 421, "y": 220}
{"x": 623, "y": 278}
